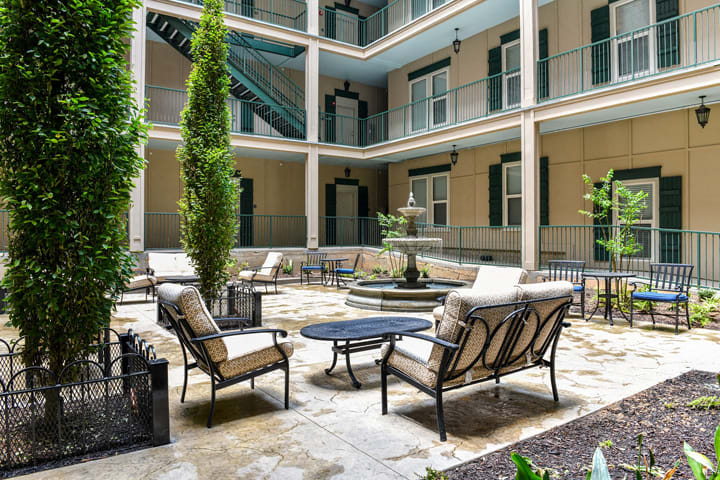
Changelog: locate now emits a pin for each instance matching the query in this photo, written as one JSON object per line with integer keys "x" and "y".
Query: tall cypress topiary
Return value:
{"x": 207, "y": 208}
{"x": 68, "y": 136}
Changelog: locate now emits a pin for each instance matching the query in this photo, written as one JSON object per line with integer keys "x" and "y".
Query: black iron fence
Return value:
{"x": 115, "y": 398}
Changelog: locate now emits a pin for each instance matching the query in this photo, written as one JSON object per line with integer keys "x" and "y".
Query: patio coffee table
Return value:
{"x": 360, "y": 335}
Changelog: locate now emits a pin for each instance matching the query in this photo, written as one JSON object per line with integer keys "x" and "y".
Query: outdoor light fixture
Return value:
{"x": 456, "y": 42}
{"x": 347, "y": 86}
{"x": 454, "y": 156}
{"x": 347, "y": 172}
{"x": 702, "y": 112}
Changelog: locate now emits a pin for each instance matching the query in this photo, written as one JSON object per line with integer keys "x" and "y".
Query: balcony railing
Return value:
{"x": 461, "y": 104}
{"x": 681, "y": 42}
{"x": 286, "y": 13}
{"x": 351, "y": 29}
{"x": 164, "y": 106}
{"x": 579, "y": 242}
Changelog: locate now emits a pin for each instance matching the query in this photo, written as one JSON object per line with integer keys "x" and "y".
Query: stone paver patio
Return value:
{"x": 335, "y": 431}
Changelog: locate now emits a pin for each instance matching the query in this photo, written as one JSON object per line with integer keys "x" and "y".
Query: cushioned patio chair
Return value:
{"x": 313, "y": 263}
{"x": 145, "y": 282}
{"x": 266, "y": 274}
{"x": 482, "y": 336}
{"x": 227, "y": 357}
{"x": 669, "y": 283}
{"x": 340, "y": 271}
{"x": 172, "y": 267}
{"x": 488, "y": 279}
{"x": 572, "y": 271}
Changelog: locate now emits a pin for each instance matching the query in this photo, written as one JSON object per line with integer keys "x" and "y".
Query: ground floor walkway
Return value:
{"x": 335, "y": 431}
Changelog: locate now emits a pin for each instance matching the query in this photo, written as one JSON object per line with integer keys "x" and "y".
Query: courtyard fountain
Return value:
{"x": 411, "y": 294}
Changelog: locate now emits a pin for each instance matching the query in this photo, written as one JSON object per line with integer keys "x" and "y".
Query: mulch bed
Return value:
{"x": 660, "y": 413}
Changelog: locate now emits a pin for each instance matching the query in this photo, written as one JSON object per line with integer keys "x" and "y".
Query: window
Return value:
{"x": 511, "y": 79}
{"x": 428, "y": 101}
{"x": 431, "y": 192}
{"x": 634, "y": 51}
{"x": 512, "y": 193}
{"x": 648, "y": 216}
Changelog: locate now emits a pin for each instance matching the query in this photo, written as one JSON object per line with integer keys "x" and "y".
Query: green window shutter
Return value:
{"x": 544, "y": 192}
{"x": 600, "y": 254}
{"x": 330, "y": 22}
{"x": 247, "y": 117}
{"x": 600, "y": 30}
{"x": 495, "y": 195}
{"x": 543, "y": 77}
{"x": 248, "y": 6}
{"x": 330, "y": 210}
{"x": 671, "y": 217}
{"x": 667, "y": 35}
{"x": 362, "y": 113}
{"x": 330, "y": 119}
{"x": 363, "y": 211}
{"x": 245, "y": 237}
{"x": 495, "y": 83}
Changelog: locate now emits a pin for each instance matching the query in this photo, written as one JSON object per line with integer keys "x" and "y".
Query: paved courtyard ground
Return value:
{"x": 335, "y": 431}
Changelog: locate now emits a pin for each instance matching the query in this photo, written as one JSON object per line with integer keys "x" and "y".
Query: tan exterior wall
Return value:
{"x": 375, "y": 96}
{"x": 674, "y": 141}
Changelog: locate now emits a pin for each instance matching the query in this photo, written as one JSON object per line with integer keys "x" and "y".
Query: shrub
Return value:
{"x": 69, "y": 130}
{"x": 701, "y": 312}
{"x": 288, "y": 267}
{"x": 207, "y": 208}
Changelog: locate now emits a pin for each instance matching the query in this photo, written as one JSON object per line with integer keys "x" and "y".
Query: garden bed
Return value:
{"x": 660, "y": 413}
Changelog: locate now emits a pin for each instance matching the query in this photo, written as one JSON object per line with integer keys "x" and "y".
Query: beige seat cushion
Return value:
{"x": 438, "y": 312}
{"x": 250, "y": 352}
{"x": 249, "y": 275}
{"x": 490, "y": 277}
{"x": 191, "y": 305}
{"x": 170, "y": 265}
{"x": 140, "y": 281}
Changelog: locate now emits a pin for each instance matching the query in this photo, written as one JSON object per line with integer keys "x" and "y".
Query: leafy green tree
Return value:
{"x": 207, "y": 208}
{"x": 392, "y": 227}
{"x": 69, "y": 130}
{"x": 619, "y": 241}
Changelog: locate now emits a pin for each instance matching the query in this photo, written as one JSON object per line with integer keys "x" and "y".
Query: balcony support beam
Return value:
{"x": 312, "y": 197}
{"x": 529, "y": 49}
{"x": 530, "y": 142}
{"x": 136, "y": 214}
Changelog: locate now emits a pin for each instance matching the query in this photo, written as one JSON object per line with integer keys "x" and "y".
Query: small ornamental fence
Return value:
{"x": 116, "y": 398}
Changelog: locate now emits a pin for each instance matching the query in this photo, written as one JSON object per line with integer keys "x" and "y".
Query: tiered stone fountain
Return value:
{"x": 411, "y": 294}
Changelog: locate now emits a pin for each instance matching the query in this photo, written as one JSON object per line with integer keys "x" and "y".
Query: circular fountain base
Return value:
{"x": 388, "y": 296}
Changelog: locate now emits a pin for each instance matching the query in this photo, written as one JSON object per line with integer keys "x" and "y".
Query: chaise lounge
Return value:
{"x": 482, "y": 336}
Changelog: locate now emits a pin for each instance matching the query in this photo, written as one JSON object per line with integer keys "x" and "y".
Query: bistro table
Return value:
{"x": 332, "y": 264}
{"x": 351, "y": 336}
{"x": 607, "y": 294}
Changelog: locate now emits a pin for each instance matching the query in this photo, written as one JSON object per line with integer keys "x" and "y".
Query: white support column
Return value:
{"x": 530, "y": 143}
{"x": 313, "y": 17}
{"x": 136, "y": 215}
{"x": 529, "y": 48}
{"x": 312, "y": 92}
{"x": 312, "y": 196}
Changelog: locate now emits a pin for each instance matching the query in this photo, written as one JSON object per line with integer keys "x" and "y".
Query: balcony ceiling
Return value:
{"x": 374, "y": 71}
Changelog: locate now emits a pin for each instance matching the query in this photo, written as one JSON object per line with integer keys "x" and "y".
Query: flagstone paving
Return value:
{"x": 335, "y": 431}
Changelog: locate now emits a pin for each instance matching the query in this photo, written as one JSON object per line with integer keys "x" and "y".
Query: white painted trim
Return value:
{"x": 652, "y": 53}
{"x": 429, "y": 202}
{"x": 429, "y": 115}
{"x": 655, "y": 182}
{"x": 507, "y": 196}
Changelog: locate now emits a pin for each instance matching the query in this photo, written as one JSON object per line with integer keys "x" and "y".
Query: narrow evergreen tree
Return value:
{"x": 68, "y": 136}
{"x": 207, "y": 208}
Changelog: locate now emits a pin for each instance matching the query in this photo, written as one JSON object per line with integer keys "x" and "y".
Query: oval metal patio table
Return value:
{"x": 607, "y": 295}
{"x": 360, "y": 335}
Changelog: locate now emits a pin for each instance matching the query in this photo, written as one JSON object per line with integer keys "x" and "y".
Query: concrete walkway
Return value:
{"x": 335, "y": 431}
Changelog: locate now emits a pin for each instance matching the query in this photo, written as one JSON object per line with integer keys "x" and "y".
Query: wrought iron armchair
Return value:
{"x": 227, "y": 357}
{"x": 571, "y": 271}
{"x": 145, "y": 282}
{"x": 313, "y": 263}
{"x": 482, "y": 336}
{"x": 266, "y": 274}
{"x": 669, "y": 283}
{"x": 340, "y": 271}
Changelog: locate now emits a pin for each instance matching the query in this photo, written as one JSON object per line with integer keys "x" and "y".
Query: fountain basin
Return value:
{"x": 387, "y": 296}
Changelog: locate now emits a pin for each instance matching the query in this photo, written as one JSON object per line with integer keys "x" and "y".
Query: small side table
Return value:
{"x": 332, "y": 264}
{"x": 607, "y": 294}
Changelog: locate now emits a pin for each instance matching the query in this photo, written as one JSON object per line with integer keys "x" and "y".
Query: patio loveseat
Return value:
{"x": 481, "y": 337}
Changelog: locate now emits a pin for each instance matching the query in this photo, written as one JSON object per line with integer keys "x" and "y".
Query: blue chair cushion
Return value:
{"x": 312, "y": 267}
{"x": 348, "y": 271}
{"x": 578, "y": 288}
{"x": 659, "y": 296}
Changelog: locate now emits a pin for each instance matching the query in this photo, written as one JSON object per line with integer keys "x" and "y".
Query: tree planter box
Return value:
{"x": 116, "y": 399}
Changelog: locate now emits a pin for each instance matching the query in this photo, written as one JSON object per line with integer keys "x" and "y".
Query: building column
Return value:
{"x": 312, "y": 115}
{"x": 530, "y": 139}
{"x": 136, "y": 214}
{"x": 313, "y": 17}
